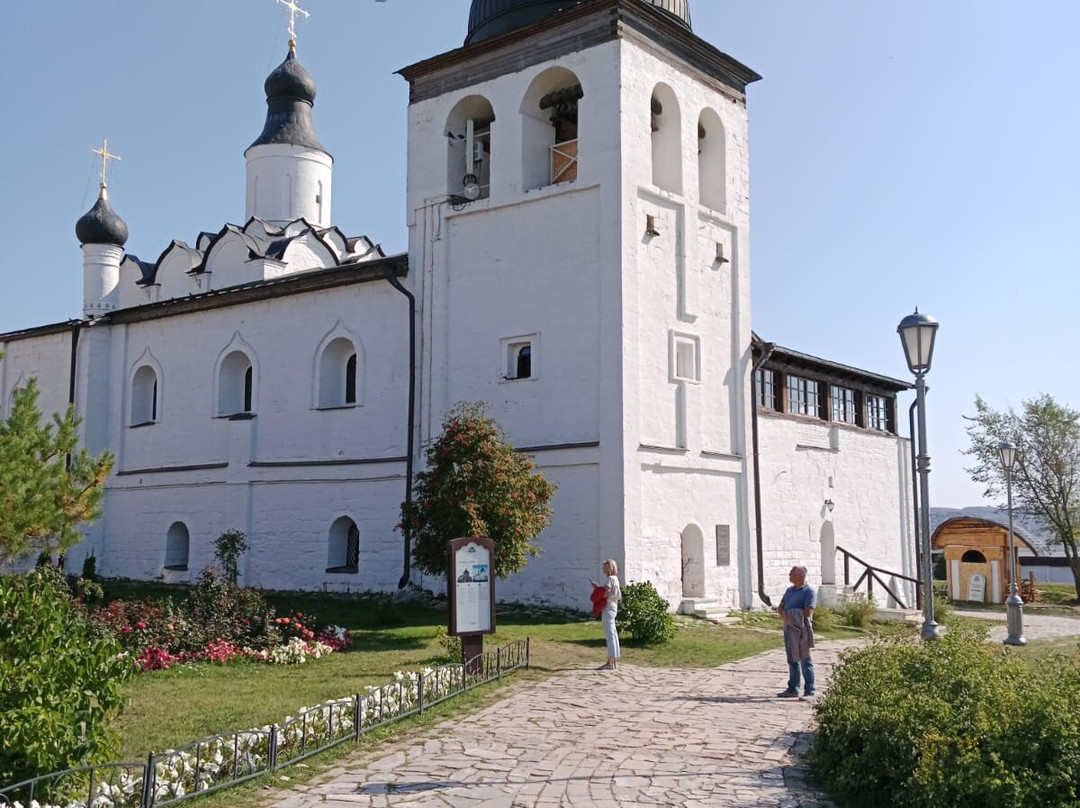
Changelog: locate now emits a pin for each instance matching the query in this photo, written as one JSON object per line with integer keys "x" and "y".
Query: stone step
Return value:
{"x": 910, "y": 615}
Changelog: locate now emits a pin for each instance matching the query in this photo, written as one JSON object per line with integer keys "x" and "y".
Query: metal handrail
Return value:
{"x": 870, "y": 574}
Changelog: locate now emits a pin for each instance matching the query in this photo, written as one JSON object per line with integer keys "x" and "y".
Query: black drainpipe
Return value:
{"x": 915, "y": 498}
{"x": 76, "y": 328}
{"x": 767, "y": 349}
{"x": 405, "y": 528}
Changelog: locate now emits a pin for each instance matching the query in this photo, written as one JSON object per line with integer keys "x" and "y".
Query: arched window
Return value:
{"x": 666, "y": 139}
{"x": 144, "y": 396}
{"x": 549, "y": 129}
{"x": 338, "y": 374}
{"x": 712, "y": 161}
{"x": 973, "y": 557}
{"x": 468, "y": 148}
{"x": 177, "y": 547}
{"x": 236, "y": 385}
{"x": 343, "y": 552}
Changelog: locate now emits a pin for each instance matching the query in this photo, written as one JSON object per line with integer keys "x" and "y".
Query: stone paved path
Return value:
{"x": 636, "y": 736}
{"x": 1036, "y": 626}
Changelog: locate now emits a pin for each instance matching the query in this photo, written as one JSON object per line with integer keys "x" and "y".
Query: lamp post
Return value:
{"x": 1014, "y": 606}
{"x": 917, "y": 332}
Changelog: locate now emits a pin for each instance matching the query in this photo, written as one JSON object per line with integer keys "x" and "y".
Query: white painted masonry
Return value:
{"x": 210, "y": 373}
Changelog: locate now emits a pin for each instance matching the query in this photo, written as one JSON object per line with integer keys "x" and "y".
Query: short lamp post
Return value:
{"x": 917, "y": 332}
{"x": 1014, "y": 606}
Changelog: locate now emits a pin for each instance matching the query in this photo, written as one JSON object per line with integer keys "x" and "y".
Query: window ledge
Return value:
{"x": 336, "y": 407}
{"x": 342, "y": 570}
{"x": 510, "y": 379}
{"x": 176, "y": 568}
{"x": 142, "y": 424}
{"x": 238, "y": 416}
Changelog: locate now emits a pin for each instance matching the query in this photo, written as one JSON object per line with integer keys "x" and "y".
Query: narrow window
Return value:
{"x": 144, "y": 396}
{"x": 843, "y": 405}
{"x": 712, "y": 170}
{"x": 177, "y": 547}
{"x": 236, "y": 385}
{"x": 666, "y": 126}
{"x": 803, "y": 396}
{"x": 343, "y": 549}
{"x": 685, "y": 358}
{"x": 877, "y": 413}
{"x": 766, "y": 388}
{"x": 519, "y": 365}
{"x": 249, "y": 377}
{"x": 350, "y": 380}
{"x": 468, "y": 136}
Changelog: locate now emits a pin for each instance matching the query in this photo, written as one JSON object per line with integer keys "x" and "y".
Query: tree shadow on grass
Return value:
{"x": 384, "y": 641}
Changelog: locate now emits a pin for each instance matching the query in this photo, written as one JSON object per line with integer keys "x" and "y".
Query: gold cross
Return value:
{"x": 294, "y": 9}
{"x": 106, "y": 155}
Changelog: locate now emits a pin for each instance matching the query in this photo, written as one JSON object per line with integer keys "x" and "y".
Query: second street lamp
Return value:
{"x": 1014, "y": 606}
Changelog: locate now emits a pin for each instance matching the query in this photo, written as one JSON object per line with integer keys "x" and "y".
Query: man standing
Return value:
{"x": 796, "y": 610}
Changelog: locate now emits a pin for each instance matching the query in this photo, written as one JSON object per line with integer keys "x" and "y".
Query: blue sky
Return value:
{"x": 902, "y": 153}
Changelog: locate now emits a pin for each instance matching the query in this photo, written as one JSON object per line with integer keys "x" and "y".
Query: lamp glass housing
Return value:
{"x": 1007, "y": 453}
{"x": 917, "y": 332}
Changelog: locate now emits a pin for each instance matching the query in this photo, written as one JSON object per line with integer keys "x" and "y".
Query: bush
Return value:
{"x": 644, "y": 615}
{"x": 859, "y": 612}
{"x": 953, "y": 722}
{"x": 217, "y": 609}
{"x": 824, "y": 619}
{"x": 451, "y": 645}
{"x": 59, "y": 685}
{"x": 228, "y": 547}
{"x": 943, "y": 607}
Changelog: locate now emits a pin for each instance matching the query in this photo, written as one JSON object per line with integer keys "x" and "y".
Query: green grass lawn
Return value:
{"x": 168, "y": 709}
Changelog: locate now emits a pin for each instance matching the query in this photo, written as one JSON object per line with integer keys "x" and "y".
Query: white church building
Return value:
{"x": 579, "y": 233}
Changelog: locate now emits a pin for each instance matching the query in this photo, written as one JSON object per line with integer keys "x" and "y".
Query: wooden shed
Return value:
{"x": 977, "y": 557}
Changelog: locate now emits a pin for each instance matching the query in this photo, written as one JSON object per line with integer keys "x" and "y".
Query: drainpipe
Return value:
{"x": 405, "y": 529}
{"x": 76, "y": 329}
{"x": 767, "y": 349}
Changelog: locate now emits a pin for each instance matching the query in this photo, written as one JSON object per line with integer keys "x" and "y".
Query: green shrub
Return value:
{"x": 943, "y": 607}
{"x": 59, "y": 685}
{"x": 644, "y": 615}
{"x": 217, "y": 609}
{"x": 228, "y": 547}
{"x": 955, "y": 722}
{"x": 451, "y": 645}
{"x": 824, "y": 619}
{"x": 859, "y": 612}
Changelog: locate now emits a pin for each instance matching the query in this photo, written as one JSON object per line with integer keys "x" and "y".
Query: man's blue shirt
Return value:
{"x": 799, "y": 597}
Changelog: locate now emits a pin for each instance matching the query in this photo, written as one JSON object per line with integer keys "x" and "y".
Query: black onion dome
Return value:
{"x": 101, "y": 225}
{"x": 490, "y": 18}
{"x": 290, "y": 95}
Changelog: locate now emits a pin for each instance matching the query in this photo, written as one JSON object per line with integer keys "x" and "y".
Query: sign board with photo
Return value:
{"x": 470, "y": 586}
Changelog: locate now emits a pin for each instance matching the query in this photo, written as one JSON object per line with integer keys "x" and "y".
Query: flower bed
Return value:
{"x": 219, "y": 761}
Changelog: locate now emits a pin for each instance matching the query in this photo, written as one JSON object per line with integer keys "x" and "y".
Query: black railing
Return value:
{"x": 220, "y": 761}
{"x": 870, "y": 574}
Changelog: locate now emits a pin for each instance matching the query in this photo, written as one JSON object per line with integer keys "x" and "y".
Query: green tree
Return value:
{"x": 228, "y": 548}
{"x": 60, "y": 684}
{"x": 1046, "y": 474}
{"x": 48, "y": 487}
{"x": 476, "y": 484}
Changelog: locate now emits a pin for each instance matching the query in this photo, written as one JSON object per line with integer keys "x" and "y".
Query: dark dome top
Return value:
{"x": 290, "y": 79}
{"x": 101, "y": 225}
{"x": 489, "y": 18}
{"x": 290, "y": 95}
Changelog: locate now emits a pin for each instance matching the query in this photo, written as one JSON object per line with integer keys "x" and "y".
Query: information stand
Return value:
{"x": 470, "y": 587}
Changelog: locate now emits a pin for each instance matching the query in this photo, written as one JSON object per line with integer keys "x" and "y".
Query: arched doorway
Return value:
{"x": 828, "y": 554}
{"x": 693, "y": 563}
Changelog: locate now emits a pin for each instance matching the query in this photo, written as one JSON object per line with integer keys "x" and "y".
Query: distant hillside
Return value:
{"x": 1024, "y": 523}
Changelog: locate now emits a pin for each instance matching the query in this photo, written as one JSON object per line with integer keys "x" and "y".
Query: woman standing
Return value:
{"x": 612, "y": 595}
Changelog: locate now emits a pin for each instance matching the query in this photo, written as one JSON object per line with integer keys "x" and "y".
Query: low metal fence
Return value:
{"x": 220, "y": 761}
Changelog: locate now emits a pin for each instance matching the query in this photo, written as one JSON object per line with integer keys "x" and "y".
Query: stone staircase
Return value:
{"x": 706, "y": 609}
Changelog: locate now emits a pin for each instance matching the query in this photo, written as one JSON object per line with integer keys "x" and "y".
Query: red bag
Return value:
{"x": 599, "y": 600}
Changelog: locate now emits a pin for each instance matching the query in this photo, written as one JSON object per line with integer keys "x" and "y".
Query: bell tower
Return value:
{"x": 578, "y": 194}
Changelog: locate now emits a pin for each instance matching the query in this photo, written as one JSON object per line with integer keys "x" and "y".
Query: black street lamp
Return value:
{"x": 917, "y": 332}
{"x": 1014, "y": 606}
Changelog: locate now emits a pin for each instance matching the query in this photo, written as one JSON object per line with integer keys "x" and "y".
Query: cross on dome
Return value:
{"x": 106, "y": 155}
{"x": 294, "y": 9}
